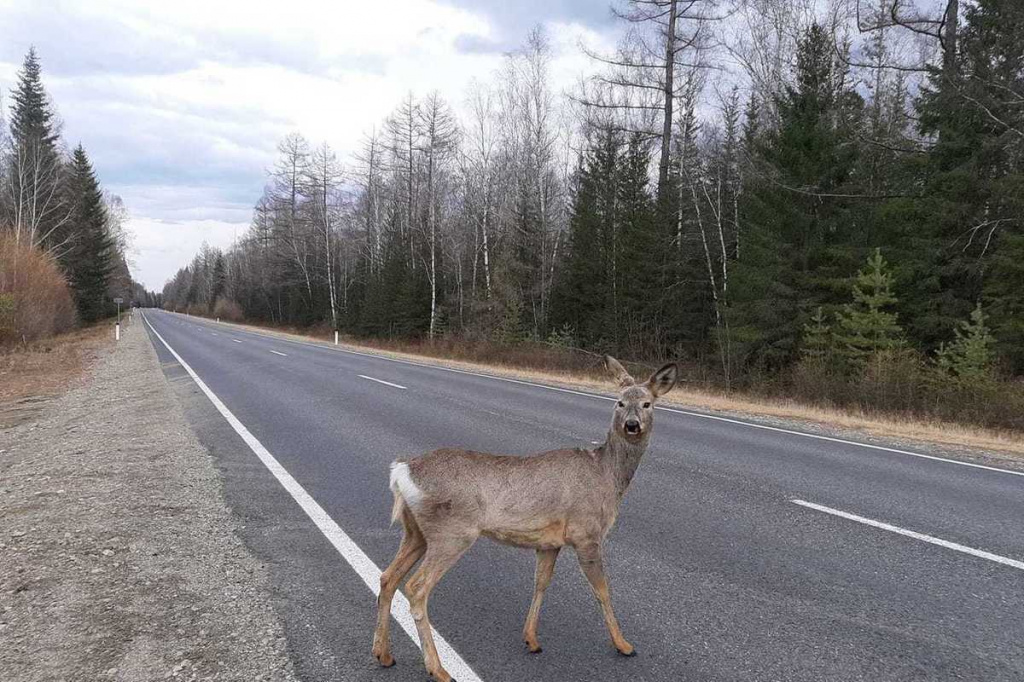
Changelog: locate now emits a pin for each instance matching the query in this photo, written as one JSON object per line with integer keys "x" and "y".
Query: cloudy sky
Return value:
{"x": 181, "y": 104}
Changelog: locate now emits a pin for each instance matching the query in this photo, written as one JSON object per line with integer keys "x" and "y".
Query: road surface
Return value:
{"x": 740, "y": 553}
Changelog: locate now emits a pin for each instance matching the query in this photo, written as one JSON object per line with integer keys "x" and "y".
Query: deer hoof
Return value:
{"x": 628, "y": 654}
{"x": 535, "y": 651}
{"x": 386, "y": 660}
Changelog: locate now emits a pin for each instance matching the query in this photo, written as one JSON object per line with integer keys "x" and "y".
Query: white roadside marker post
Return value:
{"x": 117, "y": 325}
{"x": 335, "y": 337}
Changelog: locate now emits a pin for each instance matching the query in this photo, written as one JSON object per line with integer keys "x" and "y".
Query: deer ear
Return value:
{"x": 618, "y": 372}
{"x": 664, "y": 380}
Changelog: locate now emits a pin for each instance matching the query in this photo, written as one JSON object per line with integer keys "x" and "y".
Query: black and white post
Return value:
{"x": 117, "y": 325}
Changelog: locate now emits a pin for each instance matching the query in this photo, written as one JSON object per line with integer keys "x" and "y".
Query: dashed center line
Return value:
{"x": 381, "y": 381}
{"x": 278, "y": 353}
{"x": 236, "y": 340}
{"x": 913, "y": 534}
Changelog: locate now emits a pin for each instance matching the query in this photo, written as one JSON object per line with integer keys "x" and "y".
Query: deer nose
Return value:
{"x": 632, "y": 426}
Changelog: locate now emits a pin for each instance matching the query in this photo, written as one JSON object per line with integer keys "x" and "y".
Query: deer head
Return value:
{"x": 634, "y": 412}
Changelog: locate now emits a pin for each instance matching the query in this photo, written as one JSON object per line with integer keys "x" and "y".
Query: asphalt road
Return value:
{"x": 716, "y": 573}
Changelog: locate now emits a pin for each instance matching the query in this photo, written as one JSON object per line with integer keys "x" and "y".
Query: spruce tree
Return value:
{"x": 866, "y": 326}
{"x": 218, "y": 280}
{"x": 36, "y": 207}
{"x": 800, "y": 238}
{"x": 584, "y": 296}
{"x": 969, "y": 357}
{"x": 817, "y": 342}
{"x": 92, "y": 258}
{"x": 973, "y": 179}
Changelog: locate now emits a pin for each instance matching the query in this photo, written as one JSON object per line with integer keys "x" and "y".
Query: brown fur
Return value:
{"x": 543, "y": 502}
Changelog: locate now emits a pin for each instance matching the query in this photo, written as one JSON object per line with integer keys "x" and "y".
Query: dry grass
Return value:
{"x": 588, "y": 374}
{"x": 33, "y": 374}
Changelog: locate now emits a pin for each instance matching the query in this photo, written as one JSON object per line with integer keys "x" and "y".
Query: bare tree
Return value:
{"x": 665, "y": 36}
{"x": 440, "y": 137}
{"x": 322, "y": 178}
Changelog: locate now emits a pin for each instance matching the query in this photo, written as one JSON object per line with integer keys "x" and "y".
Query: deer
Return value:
{"x": 446, "y": 499}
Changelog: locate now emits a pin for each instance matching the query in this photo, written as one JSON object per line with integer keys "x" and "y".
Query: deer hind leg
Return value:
{"x": 590, "y": 562}
{"x": 542, "y": 578}
{"x": 409, "y": 552}
{"x": 442, "y": 553}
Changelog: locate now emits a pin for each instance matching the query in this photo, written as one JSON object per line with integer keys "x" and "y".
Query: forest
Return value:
{"x": 63, "y": 241}
{"x": 822, "y": 203}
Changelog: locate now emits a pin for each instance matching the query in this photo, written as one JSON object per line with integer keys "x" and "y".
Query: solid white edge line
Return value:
{"x": 913, "y": 534}
{"x": 277, "y": 352}
{"x": 347, "y": 548}
{"x": 381, "y": 381}
{"x": 688, "y": 413}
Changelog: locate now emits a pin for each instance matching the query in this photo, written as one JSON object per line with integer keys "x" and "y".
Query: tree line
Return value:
{"x": 845, "y": 205}
{"x": 55, "y": 221}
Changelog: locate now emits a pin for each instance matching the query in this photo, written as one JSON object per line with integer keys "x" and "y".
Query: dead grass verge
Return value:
{"x": 33, "y": 374}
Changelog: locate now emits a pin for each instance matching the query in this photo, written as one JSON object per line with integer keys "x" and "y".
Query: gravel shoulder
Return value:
{"x": 119, "y": 559}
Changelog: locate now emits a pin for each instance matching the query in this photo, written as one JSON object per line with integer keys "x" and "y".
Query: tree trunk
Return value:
{"x": 669, "y": 94}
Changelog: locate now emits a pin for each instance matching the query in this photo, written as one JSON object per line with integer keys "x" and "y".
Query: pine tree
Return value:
{"x": 91, "y": 261}
{"x": 969, "y": 357}
{"x": 866, "y": 327}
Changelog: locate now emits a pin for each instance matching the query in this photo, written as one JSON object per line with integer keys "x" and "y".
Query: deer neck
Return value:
{"x": 622, "y": 457}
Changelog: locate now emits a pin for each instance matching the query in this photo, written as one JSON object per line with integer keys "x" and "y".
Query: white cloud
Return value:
{"x": 181, "y": 104}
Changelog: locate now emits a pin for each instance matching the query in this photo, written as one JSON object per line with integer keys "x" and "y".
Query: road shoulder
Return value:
{"x": 120, "y": 559}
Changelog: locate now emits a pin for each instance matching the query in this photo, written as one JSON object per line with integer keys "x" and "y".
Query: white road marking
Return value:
{"x": 278, "y": 353}
{"x": 347, "y": 548}
{"x": 914, "y": 534}
{"x": 688, "y": 413}
{"x": 215, "y": 333}
{"x": 381, "y": 381}
{"x": 236, "y": 340}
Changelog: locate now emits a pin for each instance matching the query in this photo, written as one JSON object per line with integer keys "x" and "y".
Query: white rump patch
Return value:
{"x": 402, "y": 483}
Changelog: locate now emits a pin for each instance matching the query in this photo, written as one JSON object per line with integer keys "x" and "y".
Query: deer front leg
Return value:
{"x": 590, "y": 562}
{"x": 545, "y": 568}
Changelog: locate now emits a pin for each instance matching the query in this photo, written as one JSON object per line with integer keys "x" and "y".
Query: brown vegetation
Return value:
{"x": 32, "y": 374}
{"x": 226, "y": 309}
{"x": 35, "y": 301}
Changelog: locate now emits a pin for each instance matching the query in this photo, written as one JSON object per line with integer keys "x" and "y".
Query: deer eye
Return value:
{"x": 647, "y": 406}
{"x": 622, "y": 404}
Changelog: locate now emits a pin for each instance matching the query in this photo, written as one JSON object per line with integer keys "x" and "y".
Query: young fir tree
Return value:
{"x": 817, "y": 342}
{"x": 969, "y": 357}
{"x": 866, "y": 327}
{"x": 92, "y": 258}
